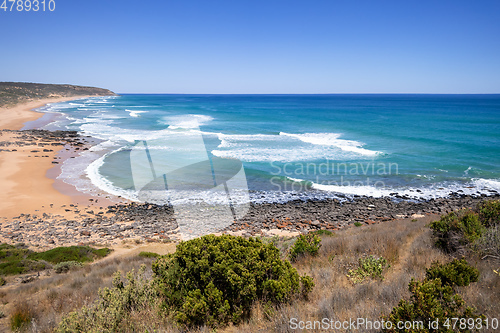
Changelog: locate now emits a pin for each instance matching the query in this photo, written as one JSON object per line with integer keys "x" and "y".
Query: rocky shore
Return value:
{"x": 155, "y": 223}
{"x": 42, "y": 140}
{"x": 331, "y": 214}
{"x": 98, "y": 223}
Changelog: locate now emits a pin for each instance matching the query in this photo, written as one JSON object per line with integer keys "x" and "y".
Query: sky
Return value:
{"x": 271, "y": 46}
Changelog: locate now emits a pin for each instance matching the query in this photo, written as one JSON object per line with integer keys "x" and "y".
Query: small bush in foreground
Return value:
{"x": 368, "y": 267}
{"x": 433, "y": 299}
{"x": 309, "y": 244}
{"x": 113, "y": 309}
{"x": 214, "y": 280}
{"x": 457, "y": 229}
{"x": 455, "y": 273}
{"x": 66, "y": 266}
{"x": 489, "y": 212}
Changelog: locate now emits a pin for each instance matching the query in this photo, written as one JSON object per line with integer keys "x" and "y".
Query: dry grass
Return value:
{"x": 406, "y": 244}
{"x": 52, "y": 297}
{"x": 408, "y": 247}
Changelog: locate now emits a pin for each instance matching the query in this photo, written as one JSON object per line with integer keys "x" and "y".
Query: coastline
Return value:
{"x": 15, "y": 117}
{"x": 27, "y": 184}
{"x": 39, "y": 210}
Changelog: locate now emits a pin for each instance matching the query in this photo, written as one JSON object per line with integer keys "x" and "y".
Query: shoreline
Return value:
{"x": 28, "y": 166}
{"x": 15, "y": 117}
{"x": 42, "y": 211}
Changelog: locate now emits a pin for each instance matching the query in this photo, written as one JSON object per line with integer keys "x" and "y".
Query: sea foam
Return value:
{"x": 333, "y": 139}
{"x": 285, "y": 147}
{"x": 188, "y": 121}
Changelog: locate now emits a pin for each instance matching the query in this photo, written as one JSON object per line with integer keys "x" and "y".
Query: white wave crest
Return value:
{"x": 437, "y": 190}
{"x": 135, "y": 113}
{"x": 332, "y": 139}
{"x": 285, "y": 147}
{"x": 188, "y": 121}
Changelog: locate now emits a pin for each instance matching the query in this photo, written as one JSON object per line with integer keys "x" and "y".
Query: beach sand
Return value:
{"x": 24, "y": 185}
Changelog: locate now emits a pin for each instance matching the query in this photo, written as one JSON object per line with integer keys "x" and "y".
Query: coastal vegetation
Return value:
{"x": 12, "y": 93}
{"x": 18, "y": 259}
{"x": 392, "y": 271}
{"x": 435, "y": 299}
{"x": 470, "y": 229}
{"x": 214, "y": 280}
{"x": 305, "y": 244}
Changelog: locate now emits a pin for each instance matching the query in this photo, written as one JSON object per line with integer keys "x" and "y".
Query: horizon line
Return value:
{"x": 354, "y": 93}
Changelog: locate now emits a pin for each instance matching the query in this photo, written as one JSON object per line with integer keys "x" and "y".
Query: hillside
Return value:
{"x": 12, "y": 93}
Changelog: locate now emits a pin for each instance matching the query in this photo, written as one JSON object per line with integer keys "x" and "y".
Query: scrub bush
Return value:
{"x": 455, "y": 273}
{"x": 214, "y": 280}
{"x": 434, "y": 298}
{"x": 309, "y": 244}
{"x": 456, "y": 230}
{"x": 66, "y": 266}
{"x": 368, "y": 267}
{"x": 113, "y": 309}
{"x": 489, "y": 212}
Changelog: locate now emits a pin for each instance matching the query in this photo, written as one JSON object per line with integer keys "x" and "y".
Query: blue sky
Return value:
{"x": 272, "y": 46}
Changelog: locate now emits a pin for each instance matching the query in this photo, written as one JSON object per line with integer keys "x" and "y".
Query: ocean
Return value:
{"x": 290, "y": 146}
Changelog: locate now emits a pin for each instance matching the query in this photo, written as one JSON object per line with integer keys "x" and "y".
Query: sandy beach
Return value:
{"x": 24, "y": 186}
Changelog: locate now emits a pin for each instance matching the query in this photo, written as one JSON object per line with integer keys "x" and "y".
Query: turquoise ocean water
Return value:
{"x": 298, "y": 146}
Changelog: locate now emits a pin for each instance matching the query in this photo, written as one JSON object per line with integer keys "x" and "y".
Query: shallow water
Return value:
{"x": 294, "y": 145}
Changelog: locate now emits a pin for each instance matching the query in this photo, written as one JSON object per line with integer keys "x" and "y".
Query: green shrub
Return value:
{"x": 13, "y": 260}
{"x": 21, "y": 267}
{"x": 322, "y": 232}
{"x": 148, "y": 254}
{"x": 70, "y": 253}
{"x": 457, "y": 229}
{"x": 66, "y": 266}
{"x": 309, "y": 244}
{"x": 455, "y": 273}
{"x": 2, "y": 281}
{"x": 11, "y": 252}
{"x": 370, "y": 266}
{"x": 16, "y": 259}
{"x": 489, "y": 212}
{"x": 470, "y": 226}
{"x": 358, "y": 224}
{"x": 430, "y": 300}
{"x": 112, "y": 311}
{"x": 214, "y": 280}
{"x": 434, "y": 298}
